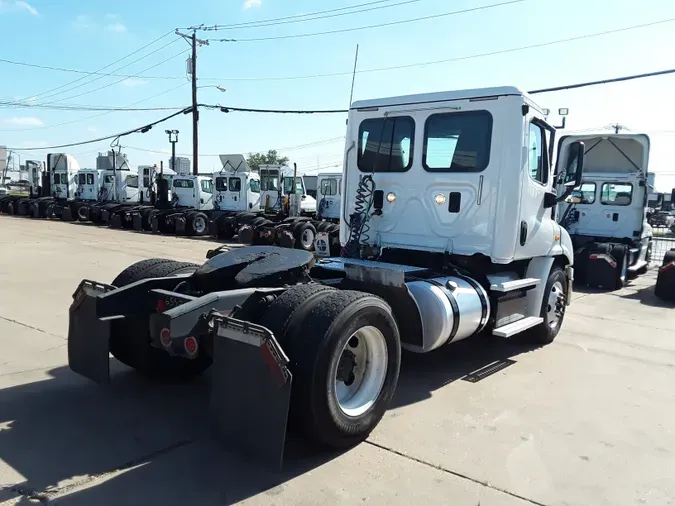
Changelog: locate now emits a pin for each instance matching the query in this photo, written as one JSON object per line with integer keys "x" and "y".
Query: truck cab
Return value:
{"x": 88, "y": 184}
{"x": 193, "y": 191}
{"x": 606, "y": 216}
{"x": 236, "y": 191}
{"x": 64, "y": 173}
{"x": 277, "y": 184}
{"x": 328, "y": 195}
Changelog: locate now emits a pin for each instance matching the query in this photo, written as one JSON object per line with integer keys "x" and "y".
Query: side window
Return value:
{"x": 90, "y": 179}
{"x": 536, "y": 154}
{"x": 386, "y": 144}
{"x": 235, "y": 184}
{"x": 81, "y": 178}
{"x": 616, "y": 194}
{"x": 207, "y": 186}
{"x": 109, "y": 179}
{"x": 131, "y": 181}
{"x": 146, "y": 178}
{"x": 183, "y": 183}
{"x": 221, "y": 184}
{"x": 255, "y": 186}
{"x": 57, "y": 178}
{"x": 64, "y": 178}
{"x": 329, "y": 187}
{"x": 587, "y": 193}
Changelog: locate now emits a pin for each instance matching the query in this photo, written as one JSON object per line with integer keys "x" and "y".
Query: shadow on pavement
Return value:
{"x": 140, "y": 442}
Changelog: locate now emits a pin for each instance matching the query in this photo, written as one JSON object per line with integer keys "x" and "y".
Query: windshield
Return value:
{"x": 235, "y": 184}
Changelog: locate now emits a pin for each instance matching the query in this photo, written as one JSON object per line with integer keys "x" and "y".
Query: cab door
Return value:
{"x": 535, "y": 231}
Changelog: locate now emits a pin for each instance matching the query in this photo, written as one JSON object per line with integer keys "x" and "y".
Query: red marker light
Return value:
{"x": 191, "y": 345}
{"x": 165, "y": 337}
{"x": 161, "y": 306}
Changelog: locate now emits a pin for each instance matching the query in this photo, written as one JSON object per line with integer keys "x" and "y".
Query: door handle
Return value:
{"x": 523, "y": 233}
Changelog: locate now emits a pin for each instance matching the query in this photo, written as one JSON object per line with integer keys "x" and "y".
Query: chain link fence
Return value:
{"x": 664, "y": 240}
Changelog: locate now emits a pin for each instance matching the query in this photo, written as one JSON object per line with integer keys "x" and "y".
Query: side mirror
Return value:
{"x": 573, "y": 199}
{"x": 575, "y": 164}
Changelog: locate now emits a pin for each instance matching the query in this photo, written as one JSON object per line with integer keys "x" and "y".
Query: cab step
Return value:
{"x": 516, "y": 284}
{"x": 516, "y": 327}
{"x": 640, "y": 264}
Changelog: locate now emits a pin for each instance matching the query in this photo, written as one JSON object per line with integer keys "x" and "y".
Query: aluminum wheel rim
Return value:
{"x": 366, "y": 352}
{"x": 307, "y": 238}
{"x": 555, "y": 305}
{"x": 200, "y": 224}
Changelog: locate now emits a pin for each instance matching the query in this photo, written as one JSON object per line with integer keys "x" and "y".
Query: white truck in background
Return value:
{"x": 606, "y": 216}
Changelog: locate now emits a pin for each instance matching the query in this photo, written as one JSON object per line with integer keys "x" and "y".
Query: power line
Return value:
{"x": 84, "y": 108}
{"x": 377, "y": 69}
{"x": 142, "y": 129}
{"x": 126, "y": 109}
{"x": 296, "y": 16}
{"x": 227, "y": 109}
{"x": 603, "y": 81}
{"x": 289, "y": 148}
{"x": 118, "y": 81}
{"x": 379, "y": 25}
{"x": 263, "y": 24}
{"x": 49, "y": 92}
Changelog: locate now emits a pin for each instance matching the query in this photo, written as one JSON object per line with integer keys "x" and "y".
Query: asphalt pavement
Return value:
{"x": 587, "y": 420}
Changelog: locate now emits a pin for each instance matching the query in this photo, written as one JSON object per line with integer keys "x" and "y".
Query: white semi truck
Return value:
{"x": 607, "y": 215}
{"x": 447, "y": 232}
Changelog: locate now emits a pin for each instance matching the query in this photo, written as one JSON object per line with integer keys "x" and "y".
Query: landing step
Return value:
{"x": 637, "y": 266}
{"x": 516, "y": 327}
{"x": 516, "y": 284}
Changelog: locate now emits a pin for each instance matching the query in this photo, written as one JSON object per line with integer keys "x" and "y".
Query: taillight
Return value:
{"x": 190, "y": 345}
{"x": 165, "y": 337}
{"x": 161, "y": 306}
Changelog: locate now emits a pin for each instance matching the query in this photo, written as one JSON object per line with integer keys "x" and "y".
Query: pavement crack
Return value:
{"x": 17, "y": 322}
{"x": 455, "y": 473}
{"x": 62, "y": 490}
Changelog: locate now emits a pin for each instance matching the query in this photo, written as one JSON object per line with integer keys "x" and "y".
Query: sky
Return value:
{"x": 516, "y": 44}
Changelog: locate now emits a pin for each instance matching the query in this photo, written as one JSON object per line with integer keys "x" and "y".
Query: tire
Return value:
{"x": 546, "y": 332}
{"x": 648, "y": 259}
{"x": 319, "y": 407}
{"x": 668, "y": 257}
{"x": 197, "y": 224}
{"x": 136, "y": 272}
{"x": 130, "y": 338}
{"x": 305, "y": 233}
{"x": 620, "y": 254}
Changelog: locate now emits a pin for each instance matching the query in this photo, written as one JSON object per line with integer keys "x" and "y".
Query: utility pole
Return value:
{"x": 173, "y": 139}
{"x": 192, "y": 69}
{"x": 195, "y": 110}
{"x": 617, "y": 128}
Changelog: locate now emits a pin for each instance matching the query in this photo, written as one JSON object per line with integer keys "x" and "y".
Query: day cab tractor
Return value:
{"x": 607, "y": 215}
{"x": 444, "y": 238}
{"x": 13, "y": 201}
{"x": 88, "y": 182}
{"x": 57, "y": 186}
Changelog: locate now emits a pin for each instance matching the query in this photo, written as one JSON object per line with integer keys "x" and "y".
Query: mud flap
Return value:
{"x": 138, "y": 221}
{"x": 88, "y": 335}
{"x": 180, "y": 227}
{"x": 67, "y": 215}
{"x": 251, "y": 390}
{"x": 116, "y": 220}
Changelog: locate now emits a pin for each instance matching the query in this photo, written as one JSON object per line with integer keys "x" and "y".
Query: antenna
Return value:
{"x": 356, "y": 60}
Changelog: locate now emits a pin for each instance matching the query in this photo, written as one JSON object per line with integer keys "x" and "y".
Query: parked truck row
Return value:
{"x": 268, "y": 206}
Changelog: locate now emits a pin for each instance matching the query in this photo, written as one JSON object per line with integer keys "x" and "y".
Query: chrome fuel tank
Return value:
{"x": 452, "y": 308}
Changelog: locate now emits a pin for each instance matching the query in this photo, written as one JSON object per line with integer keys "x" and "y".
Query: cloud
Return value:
{"x": 82, "y": 22}
{"x": 252, "y": 3}
{"x": 133, "y": 82}
{"x": 116, "y": 27}
{"x": 26, "y": 6}
{"x": 110, "y": 22}
{"x": 17, "y": 5}
{"x": 24, "y": 121}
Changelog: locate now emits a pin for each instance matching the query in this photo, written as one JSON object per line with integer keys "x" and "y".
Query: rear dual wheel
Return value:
{"x": 345, "y": 370}
{"x": 130, "y": 337}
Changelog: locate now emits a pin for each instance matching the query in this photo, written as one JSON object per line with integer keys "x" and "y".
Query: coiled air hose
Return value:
{"x": 358, "y": 220}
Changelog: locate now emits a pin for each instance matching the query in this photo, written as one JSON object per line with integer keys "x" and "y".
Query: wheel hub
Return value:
{"x": 361, "y": 371}
{"x": 555, "y": 308}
